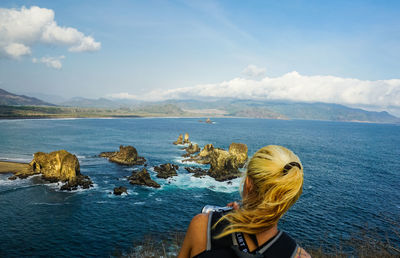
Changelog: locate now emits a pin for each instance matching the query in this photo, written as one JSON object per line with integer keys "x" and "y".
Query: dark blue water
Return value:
{"x": 352, "y": 178}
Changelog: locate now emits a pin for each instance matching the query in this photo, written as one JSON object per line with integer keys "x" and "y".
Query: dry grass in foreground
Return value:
{"x": 366, "y": 243}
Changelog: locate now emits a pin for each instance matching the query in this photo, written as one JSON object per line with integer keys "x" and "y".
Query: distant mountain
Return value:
{"x": 286, "y": 110}
{"x": 10, "y": 99}
{"x": 91, "y": 103}
{"x": 205, "y": 108}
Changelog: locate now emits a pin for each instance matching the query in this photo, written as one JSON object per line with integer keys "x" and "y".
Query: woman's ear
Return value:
{"x": 248, "y": 185}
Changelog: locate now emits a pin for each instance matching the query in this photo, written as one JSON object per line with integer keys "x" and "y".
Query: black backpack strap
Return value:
{"x": 209, "y": 225}
{"x": 282, "y": 245}
{"x": 224, "y": 242}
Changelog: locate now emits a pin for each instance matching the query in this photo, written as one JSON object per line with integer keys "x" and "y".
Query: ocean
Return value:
{"x": 351, "y": 181}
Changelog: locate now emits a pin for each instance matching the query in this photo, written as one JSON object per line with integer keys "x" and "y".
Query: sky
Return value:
{"x": 344, "y": 52}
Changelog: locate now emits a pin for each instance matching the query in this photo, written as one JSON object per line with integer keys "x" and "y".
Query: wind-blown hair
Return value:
{"x": 273, "y": 191}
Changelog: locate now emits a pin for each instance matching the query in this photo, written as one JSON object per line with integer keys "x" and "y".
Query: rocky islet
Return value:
{"x": 57, "y": 166}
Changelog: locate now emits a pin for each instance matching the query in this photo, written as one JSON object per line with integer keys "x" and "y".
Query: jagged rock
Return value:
{"x": 81, "y": 180}
{"x": 204, "y": 157}
{"x": 179, "y": 141}
{"x": 57, "y": 166}
{"x": 14, "y": 177}
{"x": 186, "y": 155}
{"x": 120, "y": 190}
{"x": 192, "y": 148}
{"x": 239, "y": 150}
{"x": 127, "y": 155}
{"x": 166, "y": 170}
{"x": 224, "y": 165}
{"x": 142, "y": 178}
{"x": 186, "y": 139}
{"x": 196, "y": 171}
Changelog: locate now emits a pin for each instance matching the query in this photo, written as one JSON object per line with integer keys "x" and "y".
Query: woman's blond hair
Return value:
{"x": 275, "y": 187}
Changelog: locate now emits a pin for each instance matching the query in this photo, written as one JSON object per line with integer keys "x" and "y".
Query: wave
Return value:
{"x": 187, "y": 163}
{"x": 14, "y": 189}
{"x": 187, "y": 181}
{"x": 18, "y": 160}
{"x": 50, "y": 204}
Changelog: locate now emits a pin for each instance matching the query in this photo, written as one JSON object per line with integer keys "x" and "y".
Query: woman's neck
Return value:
{"x": 262, "y": 237}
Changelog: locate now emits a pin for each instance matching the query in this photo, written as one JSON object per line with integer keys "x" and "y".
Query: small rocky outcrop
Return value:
{"x": 181, "y": 140}
{"x": 81, "y": 180}
{"x": 57, "y": 166}
{"x": 120, "y": 190}
{"x": 196, "y": 171}
{"x": 204, "y": 157}
{"x": 208, "y": 121}
{"x": 191, "y": 149}
{"x": 127, "y": 155}
{"x": 142, "y": 178}
{"x": 186, "y": 139}
{"x": 224, "y": 165}
{"x": 166, "y": 170}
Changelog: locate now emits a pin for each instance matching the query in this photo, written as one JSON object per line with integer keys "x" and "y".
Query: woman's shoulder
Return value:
{"x": 199, "y": 222}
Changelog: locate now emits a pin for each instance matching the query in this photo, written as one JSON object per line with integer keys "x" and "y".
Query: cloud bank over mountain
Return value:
{"x": 21, "y": 29}
{"x": 378, "y": 94}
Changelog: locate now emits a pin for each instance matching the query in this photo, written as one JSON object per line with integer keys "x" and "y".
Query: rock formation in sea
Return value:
{"x": 120, "y": 190}
{"x": 127, "y": 155}
{"x": 166, "y": 170}
{"x": 58, "y": 166}
{"x": 224, "y": 165}
{"x": 208, "y": 121}
{"x": 181, "y": 140}
{"x": 186, "y": 139}
{"x": 204, "y": 157}
{"x": 191, "y": 149}
{"x": 142, "y": 177}
{"x": 239, "y": 150}
{"x": 196, "y": 171}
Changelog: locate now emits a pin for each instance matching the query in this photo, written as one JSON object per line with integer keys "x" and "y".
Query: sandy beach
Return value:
{"x": 12, "y": 167}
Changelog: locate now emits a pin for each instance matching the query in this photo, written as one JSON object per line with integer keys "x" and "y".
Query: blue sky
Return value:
{"x": 165, "y": 45}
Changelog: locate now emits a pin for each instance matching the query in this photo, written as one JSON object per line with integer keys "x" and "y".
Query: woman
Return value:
{"x": 272, "y": 184}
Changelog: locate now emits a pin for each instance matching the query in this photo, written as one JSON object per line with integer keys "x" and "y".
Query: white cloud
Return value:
{"x": 53, "y": 62}
{"x": 291, "y": 86}
{"x": 16, "y": 50}
{"x": 22, "y": 28}
{"x": 253, "y": 71}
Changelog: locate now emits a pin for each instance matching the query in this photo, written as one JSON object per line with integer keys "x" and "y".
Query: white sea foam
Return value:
{"x": 50, "y": 204}
{"x": 130, "y": 192}
{"x": 139, "y": 203}
{"x": 22, "y": 160}
{"x": 6, "y": 181}
{"x": 187, "y": 181}
{"x": 158, "y": 199}
{"x": 81, "y": 157}
{"x": 102, "y": 202}
{"x": 188, "y": 163}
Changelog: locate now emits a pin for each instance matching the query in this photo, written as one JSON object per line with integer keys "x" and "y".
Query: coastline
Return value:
{"x": 44, "y": 117}
{"x": 10, "y": 167}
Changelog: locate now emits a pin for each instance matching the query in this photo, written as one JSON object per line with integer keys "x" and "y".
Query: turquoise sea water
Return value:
{"x": 351, "y": 178}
